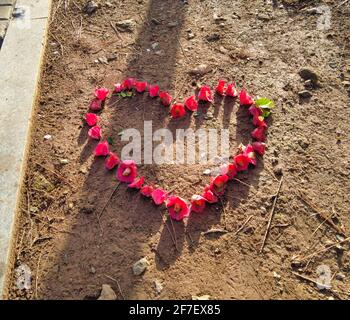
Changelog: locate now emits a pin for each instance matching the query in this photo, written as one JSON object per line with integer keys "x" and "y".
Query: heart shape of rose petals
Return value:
{"x": 127, "y": 172}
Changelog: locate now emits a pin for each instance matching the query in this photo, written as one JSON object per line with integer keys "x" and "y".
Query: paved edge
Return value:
{"x": 21, "y": 58}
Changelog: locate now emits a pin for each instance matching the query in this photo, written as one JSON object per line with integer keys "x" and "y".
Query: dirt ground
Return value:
{"x": 259, "y": 44}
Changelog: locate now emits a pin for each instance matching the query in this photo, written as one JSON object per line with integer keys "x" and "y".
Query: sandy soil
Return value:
{"x": 261, "y": 44}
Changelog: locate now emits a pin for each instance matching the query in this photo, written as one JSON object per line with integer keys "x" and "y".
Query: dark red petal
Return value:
{"x": 91, "y": 119}
{"x": 147, "y": 190}
{"x": 101, "y": 93}
{"x": 137, "y": 183}
{"x": 159, "y": 196}
{"x": 102, "y": 149}
{"x": 245, "y": 99}
{"x": 95, "y": 132}
{"x": 111, "y": 161}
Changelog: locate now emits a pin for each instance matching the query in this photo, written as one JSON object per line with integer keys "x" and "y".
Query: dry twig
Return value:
{"x": 37, "y": 275}
{"x": 211, "y": 231}
{"x": 312, "y": 255}
{"x": 243, "y": 225}
{"x": 171, "y": 235}
{"x": 115, "y": 30}
{"x": 312, "y": 280}
{"x": 55, "y": 174}
{"x": 117, "y": 282}
{"x": 99, "y": 215}
{"x": 320, "y": 212}
{"x": 271, "y": 216}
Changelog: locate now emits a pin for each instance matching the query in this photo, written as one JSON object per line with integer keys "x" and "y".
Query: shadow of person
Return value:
{"x": 170, "y": 244}
{"x": 112, "y": 244}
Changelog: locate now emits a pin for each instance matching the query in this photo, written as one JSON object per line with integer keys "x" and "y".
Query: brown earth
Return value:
{"x": 260, "y": 44}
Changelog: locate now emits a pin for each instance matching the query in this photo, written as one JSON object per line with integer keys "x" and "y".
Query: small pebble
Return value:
{"x": 158, "y": 286}
{"x": 207, "y": 172}
{"x": 154, "y": 45}
{"x": 64, "y": 161}
{"x": 208, "y": 116}
{"x": 278, "y": 170}
{"x": 190, "y": 36}
{"x": 140, "y": 266}
{"x": 340, "y": 276}
{"x": 204, "y": 297}
{"x": 172, "y": 24}
{"x": 305, "y": 94}
{"x": 47, "y": 137}
{"x": 90, "y": 7}
{"x": 83, "y": 170}
{"x": 107, "y": 293}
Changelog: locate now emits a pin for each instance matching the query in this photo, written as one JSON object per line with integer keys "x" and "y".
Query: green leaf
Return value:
{"x": 110, "y": 140}
{"x": 265, "y": 103}
{"x": 265, "y": 113}
{"x": 129, "y": 94}
{"x": 123, "y": 94}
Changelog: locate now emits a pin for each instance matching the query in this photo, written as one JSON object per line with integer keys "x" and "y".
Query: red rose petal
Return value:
{"x": 177, "y": 111}
{"x": 177, "y": 207}
{"x": 220, "y": 88}
{"x": 137, "y": 183}
{"x": 209, "y": 195}
{"x": 258, "y": 121}
{"x": 249, "y": 152}
{"x": 205, "y": 94}
{"x": 159, "y": 196}
{"x": 140, "y": 86}
{"x": 229, "y": 169}
{"x": 259, "y": 147}
{"x": 191, "y": 103}
{"x": 153, "y": 91}
{"x": 101, "y": 93}
{"x": 218, "y": 184}
{"x": 96, "y": 105}
{"x": 95, "y": 132}
{"x": 102, "y": 149}
{"x": 242, "y": 162}
{"x": 91, "y": 119}
{"x": 128, "y": 83}
{"x": 231, "y": 90}
{"x": 147, "y": 191}
{"x": 118, "y": 87}
{"x": 165, "y": 98}
{"x": 259, "y": 134}
{"x": 127, "y": 171}
{"x": 255, "y": 111}
{"x": 197, "y": 203}
{"x": 245, "y": 99}
{"x": 111, "y": 161}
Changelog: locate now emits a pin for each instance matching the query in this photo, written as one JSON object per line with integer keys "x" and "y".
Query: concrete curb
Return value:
{"x": 20, "y": 64}
{"x": 6, "y": 7}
